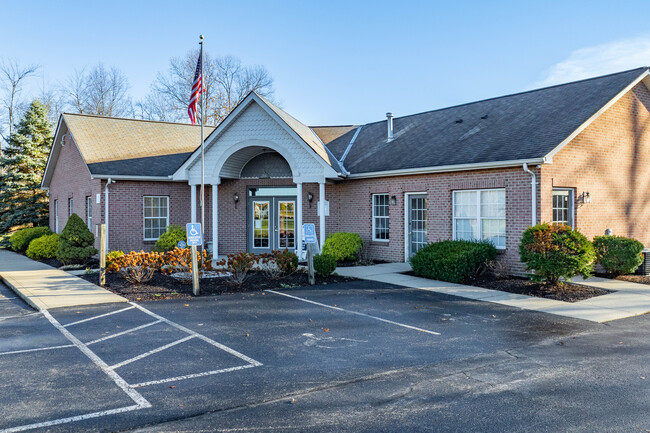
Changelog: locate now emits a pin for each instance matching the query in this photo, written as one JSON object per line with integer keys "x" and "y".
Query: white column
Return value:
{"x": 215, "y": 220}
{"x": 193, "y": 203}
{"x": 298, "y": 228}
{"x": 321, "y": 210}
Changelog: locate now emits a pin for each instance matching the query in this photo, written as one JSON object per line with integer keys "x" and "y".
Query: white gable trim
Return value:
{"x": 183, "y": 171}
{"x": 643, "y": 77}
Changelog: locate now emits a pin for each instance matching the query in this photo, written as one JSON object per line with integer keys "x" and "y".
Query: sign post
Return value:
{"x": 194, "y": 238}
{"x": 309, "y": 231}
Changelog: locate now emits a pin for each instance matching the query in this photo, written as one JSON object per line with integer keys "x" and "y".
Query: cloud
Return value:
{"x": 601, "y": 59}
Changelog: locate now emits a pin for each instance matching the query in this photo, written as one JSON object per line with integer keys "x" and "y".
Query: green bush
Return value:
{"x": 342, "y": 246}
{"x": 324, "y": 264}
{"x": 556, "y": 251}
{"x": 169, "y": 240}
{"x": 452, "y": 261}
{"x": 44, "y": 247}
{"x": 112, "y": 255}
{"x": 21, "y": 239}
{"x": 76, "y": 242}
{"x": 618, "y": 255}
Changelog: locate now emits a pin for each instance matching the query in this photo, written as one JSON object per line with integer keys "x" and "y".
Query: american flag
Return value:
{"x": 196, "y": 91}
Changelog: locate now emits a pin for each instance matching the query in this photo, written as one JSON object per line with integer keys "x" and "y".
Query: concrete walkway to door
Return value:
{"x": 628, "y": 299}
{"x": 44, "y": 287}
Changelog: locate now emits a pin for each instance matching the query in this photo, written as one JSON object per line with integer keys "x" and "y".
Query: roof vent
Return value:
{"x": 459, "y": 121}
{"x": 389, "y": 123}
{"x": 484, "y": 116}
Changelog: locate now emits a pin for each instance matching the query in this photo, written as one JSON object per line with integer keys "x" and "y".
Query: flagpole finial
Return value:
{"x": 201, "y": 36}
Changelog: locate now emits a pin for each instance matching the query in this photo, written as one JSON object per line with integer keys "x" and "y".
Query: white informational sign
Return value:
{"x": 193, "y": 234}
{"x": 327, "y": 208}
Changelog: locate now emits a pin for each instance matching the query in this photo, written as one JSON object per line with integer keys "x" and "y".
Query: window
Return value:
{"x": 70, "y": 207}
{"x": 89, "y": 213}
{"x": 563, "y": 206}
{"x": 480, "y": 214}
{"x": 380, "y": 217}
{"x": 156, "y": 216}
{"x": 56, "y": 216}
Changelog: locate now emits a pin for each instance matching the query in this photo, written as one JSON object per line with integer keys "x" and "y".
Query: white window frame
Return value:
{"x": 479, "y": 218}
{"x": 70, "y": 207}
{"x": 89, "y": 212}
{"x": 572, "y": 205}
{"x": 56, "y": 216}
{"x": 374, "y": 239}
{"x": 144, "y": 218}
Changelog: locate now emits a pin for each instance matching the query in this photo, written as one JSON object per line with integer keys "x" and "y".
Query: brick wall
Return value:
{"x": 352, "y": 207}
{"x": 71, "y": 180}
{"x": 610, "y": 159}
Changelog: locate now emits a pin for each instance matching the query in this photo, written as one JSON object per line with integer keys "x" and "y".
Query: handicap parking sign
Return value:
{"x": 193, "y": 234}
{"x": 310, "y": 233}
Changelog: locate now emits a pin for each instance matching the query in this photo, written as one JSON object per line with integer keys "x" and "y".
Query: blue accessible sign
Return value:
{"x": 310, "y": 233}
{"x": 193, "y": 234}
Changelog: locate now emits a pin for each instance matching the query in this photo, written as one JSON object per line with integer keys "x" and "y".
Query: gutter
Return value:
{"x": 449, "y": 168}
{"x": 533, "y": 194}
{"x": 108, "y": 182}
{"x": 128, "y": 177}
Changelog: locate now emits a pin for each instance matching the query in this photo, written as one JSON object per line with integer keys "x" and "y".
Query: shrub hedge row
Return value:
{"x": 453, "y": 261}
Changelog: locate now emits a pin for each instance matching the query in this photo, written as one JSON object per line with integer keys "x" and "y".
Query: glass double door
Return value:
{"x": 271, "y": 224}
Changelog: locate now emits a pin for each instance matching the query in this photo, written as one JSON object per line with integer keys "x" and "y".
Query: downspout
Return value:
{"x": 533, "y": 194}
{"x": 108, "y": 182}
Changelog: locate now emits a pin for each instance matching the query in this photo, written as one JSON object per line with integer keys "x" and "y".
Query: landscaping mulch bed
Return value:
{"x": 641, "y": 279}
{"x": 567, "y": 292}
{"x": 166, "y": 287}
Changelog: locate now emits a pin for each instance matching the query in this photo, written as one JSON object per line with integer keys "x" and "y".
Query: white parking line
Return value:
{"x": 192, "y": 376}
{"x": 37, "y": 349}
{"x": 355, "y": 312}
{"x": 6, "y": 299}
{"x": 97, "y": 317}
{"x": 137, "y": 328}
{"x": 71, "y": 419}
{"x": 199, "y": 336}
{"x": 18, "y": 316}
{"x": 151, "y": 352}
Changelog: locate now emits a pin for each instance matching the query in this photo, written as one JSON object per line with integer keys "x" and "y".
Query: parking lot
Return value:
{"x": 123, "y": 366}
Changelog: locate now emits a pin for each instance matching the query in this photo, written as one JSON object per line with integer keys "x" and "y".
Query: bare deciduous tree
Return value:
{"x": 227, "y": 82}
{"x": 12, "y": 77}
{"x": 99, "y": 91}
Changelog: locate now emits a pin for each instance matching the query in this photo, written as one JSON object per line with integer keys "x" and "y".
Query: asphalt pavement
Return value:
{"x": 360, "y": 356}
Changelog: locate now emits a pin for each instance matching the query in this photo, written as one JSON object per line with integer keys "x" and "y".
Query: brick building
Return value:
{"x": 577, "y": 153}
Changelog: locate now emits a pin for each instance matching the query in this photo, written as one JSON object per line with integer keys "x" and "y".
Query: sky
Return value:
{"x": 340, "y": 62}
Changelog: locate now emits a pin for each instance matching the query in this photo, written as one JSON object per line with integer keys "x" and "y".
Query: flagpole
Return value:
{"x": 202, "y": 150}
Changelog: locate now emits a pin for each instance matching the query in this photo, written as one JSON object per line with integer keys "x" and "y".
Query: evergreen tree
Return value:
{"x": 76, "y": 242}
{"x": 22, "y": 164}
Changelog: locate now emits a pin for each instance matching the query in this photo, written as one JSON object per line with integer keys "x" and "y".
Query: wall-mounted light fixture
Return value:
{"x": 393, "y": 200}
{"x": 235, "y": 198}
{"x": 310, "y": 198}
{"x": 585, "y": 197}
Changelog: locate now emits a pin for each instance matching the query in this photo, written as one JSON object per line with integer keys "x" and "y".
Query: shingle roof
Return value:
{"x": 162, "y": 165}
{"x": 328, "y": 134}
{"x": 102, "y": 139}
{"x": 526, "y": 125}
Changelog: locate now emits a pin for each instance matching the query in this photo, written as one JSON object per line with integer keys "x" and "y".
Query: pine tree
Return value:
{"x": 22, "y": 164}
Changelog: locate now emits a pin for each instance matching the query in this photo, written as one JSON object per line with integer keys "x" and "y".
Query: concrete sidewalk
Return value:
{"x": 44, "y": 287}
{"x": 628, "y": 299}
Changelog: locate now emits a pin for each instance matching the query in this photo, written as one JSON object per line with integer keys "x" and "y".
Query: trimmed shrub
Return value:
{"x": 239, "y": 265}
{"x": 324, "y": 264}
{"x": 452, "y": 261}
{"x": 76, "y": 242}
{"x": 556, "y": 251}
{"x": 21, "y": 239}
{"x": 343, "y": 246}
{"x": 44, "y": 247}
{"x": 169, "y": 240}
{"x": 112, "y": 256}
{"x": 617, "y": 254}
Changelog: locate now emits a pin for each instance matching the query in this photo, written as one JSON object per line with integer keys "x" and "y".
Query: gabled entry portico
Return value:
{"x": 265, "y": 157}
